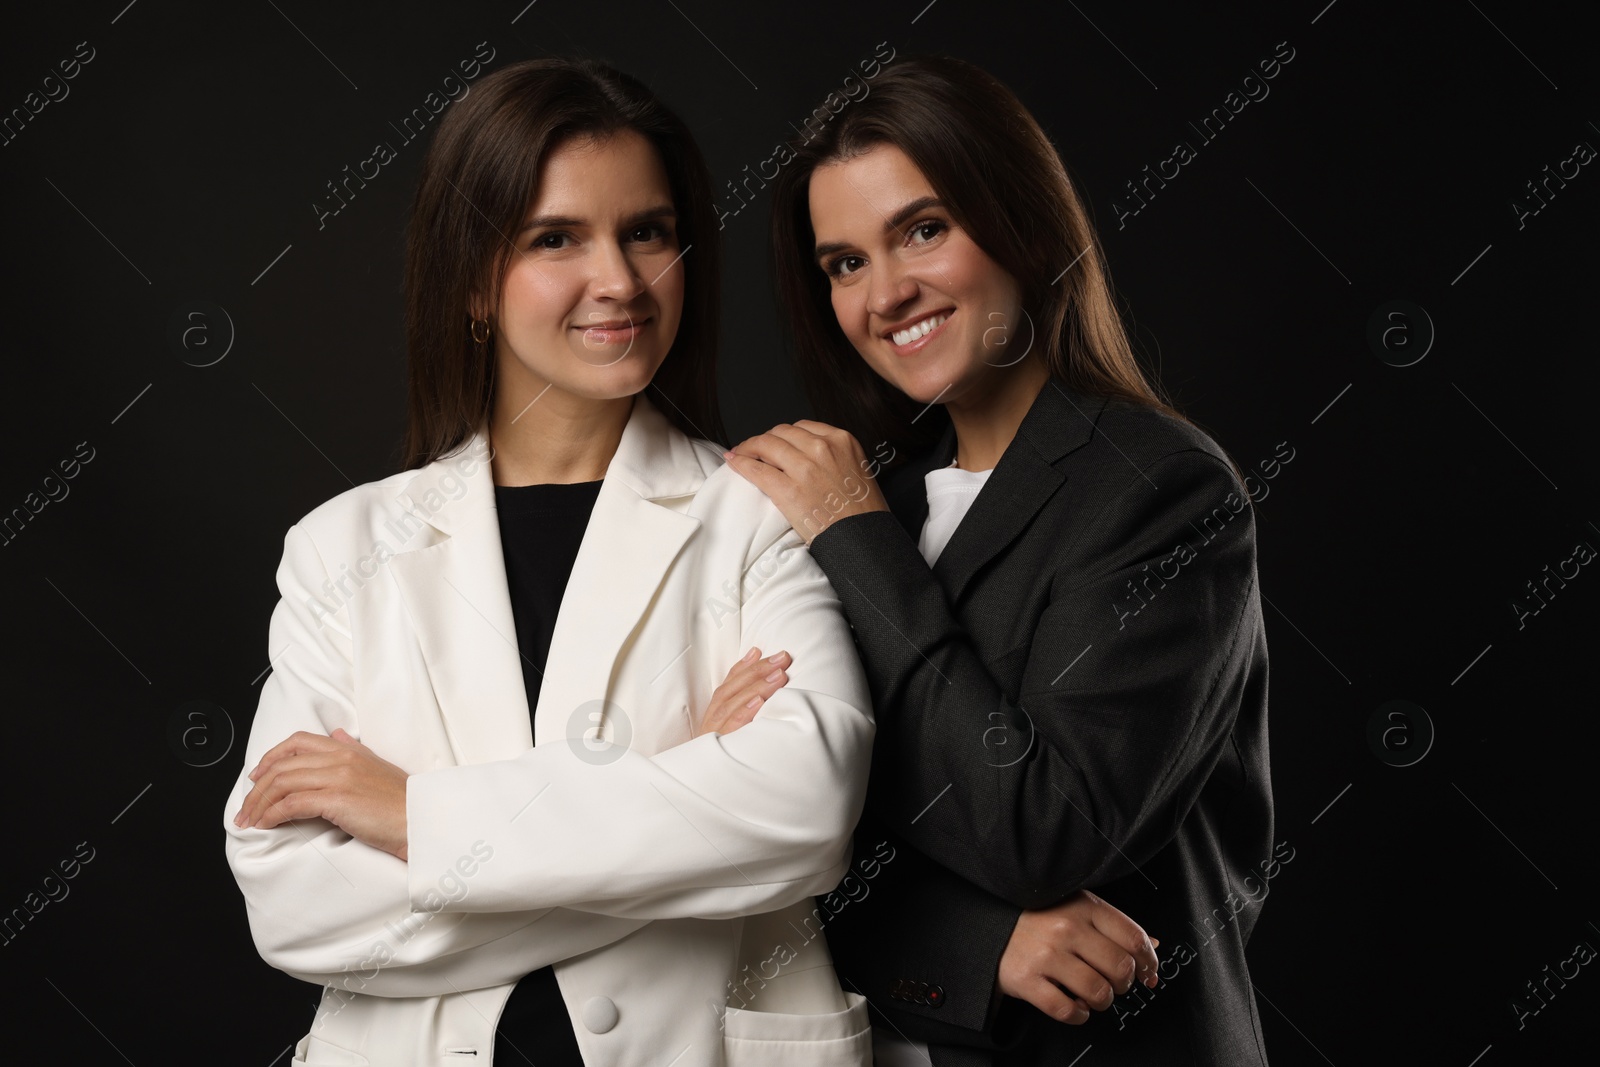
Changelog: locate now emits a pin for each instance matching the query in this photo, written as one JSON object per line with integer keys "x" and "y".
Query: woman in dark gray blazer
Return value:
{"x": 1051, "y": 577}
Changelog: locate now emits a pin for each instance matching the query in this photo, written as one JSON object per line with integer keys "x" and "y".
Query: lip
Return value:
{"x": 613, "y": 333}
{"x": 916, "y": 346}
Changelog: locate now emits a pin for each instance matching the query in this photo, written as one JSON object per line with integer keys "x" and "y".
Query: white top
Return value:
{"x": 951, "y": 492}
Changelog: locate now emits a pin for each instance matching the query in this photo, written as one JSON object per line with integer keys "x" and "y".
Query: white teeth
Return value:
{"x": 921, "y": 329}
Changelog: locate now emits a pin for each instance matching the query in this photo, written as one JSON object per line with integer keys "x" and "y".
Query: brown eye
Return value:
{"x": 837, "y": 267}
{"x": 651, "y": 232}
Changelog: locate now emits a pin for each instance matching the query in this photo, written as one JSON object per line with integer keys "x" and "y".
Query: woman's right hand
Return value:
{"x": 748, "y": 685}
{"x": 1072, "y": 957}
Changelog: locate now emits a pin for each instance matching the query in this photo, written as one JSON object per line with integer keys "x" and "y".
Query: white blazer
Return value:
{"x": 667, "y": 877}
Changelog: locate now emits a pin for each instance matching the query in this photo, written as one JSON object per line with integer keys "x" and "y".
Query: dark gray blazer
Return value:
{"x": 1075, "y": 696}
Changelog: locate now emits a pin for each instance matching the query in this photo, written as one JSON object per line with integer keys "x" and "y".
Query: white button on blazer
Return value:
{"x": 669, "y": 878}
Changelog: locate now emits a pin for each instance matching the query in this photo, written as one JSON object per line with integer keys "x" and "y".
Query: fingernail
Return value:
{"x": 752, "y": 702}
{"x": 775, "y": 675}
{"x": 777, "y": 657}
{"x": 748, "y": 656}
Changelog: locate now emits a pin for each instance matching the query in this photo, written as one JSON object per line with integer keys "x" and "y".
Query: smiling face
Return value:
{"x": 927, "y": 308}
{"x": 593, "y": 295}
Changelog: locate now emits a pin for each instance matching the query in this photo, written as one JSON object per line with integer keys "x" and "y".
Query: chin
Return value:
{"x": 926, "y": 395}
{"x": 606, "y": 383}
{"x": 928, "y": 385}
{"x": 606, "y": 361}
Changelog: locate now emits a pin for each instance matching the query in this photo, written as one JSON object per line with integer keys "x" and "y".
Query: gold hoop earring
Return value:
{"x": 483, "y": 323}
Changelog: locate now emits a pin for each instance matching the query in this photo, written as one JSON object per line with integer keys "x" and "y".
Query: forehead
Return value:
{"x": 583, "y": 176}
{"x": 854, "y": 197}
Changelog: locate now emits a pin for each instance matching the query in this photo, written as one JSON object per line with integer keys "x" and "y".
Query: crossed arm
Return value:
{"x": 719, "y": 826}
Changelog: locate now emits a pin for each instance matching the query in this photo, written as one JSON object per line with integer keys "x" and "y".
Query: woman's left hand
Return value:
{"x": 816, "y": 474}
{"x": 336, "y": 778}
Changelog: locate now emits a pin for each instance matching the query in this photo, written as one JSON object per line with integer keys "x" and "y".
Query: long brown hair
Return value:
{"x": 995, "y": 169}
{"x": 479, "y": 175}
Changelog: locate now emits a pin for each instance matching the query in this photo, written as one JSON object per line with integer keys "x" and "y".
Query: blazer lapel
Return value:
{"x": 460, "y": 605}
{"x": 1060, "y": 421}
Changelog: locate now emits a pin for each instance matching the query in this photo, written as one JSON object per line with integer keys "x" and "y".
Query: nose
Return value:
{"x": 614, "y": 275}
{"x": 889, "y": 287}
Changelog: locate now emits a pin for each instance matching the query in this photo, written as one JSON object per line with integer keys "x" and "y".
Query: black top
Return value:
{"x": 541, "y": 528}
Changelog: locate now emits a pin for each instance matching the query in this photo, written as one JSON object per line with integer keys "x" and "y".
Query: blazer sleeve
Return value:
{"x": 1123, "y": 710}
{"x": 716, "y": 827}
{"x": 326, "y": 908}
{"x": 919, "y": 923}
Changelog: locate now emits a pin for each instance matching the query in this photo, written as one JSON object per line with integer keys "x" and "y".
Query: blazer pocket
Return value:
{"x": 312, "y": 1051}
{"x": 779, "y": 1039}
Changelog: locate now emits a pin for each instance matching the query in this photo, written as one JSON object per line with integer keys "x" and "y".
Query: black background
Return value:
{"x": 1382, "y": 166}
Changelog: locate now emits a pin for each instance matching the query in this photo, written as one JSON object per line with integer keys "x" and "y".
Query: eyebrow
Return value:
{"x": 660, "y": 211}
{"x": 893, "y": 222}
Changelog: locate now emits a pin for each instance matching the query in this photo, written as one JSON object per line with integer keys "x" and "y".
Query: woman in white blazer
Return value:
{"x": 403, "y": 832}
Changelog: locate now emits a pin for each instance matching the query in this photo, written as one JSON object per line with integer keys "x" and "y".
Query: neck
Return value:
{"x": 986, "y": 420}
{"x": 561, "y": 438}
